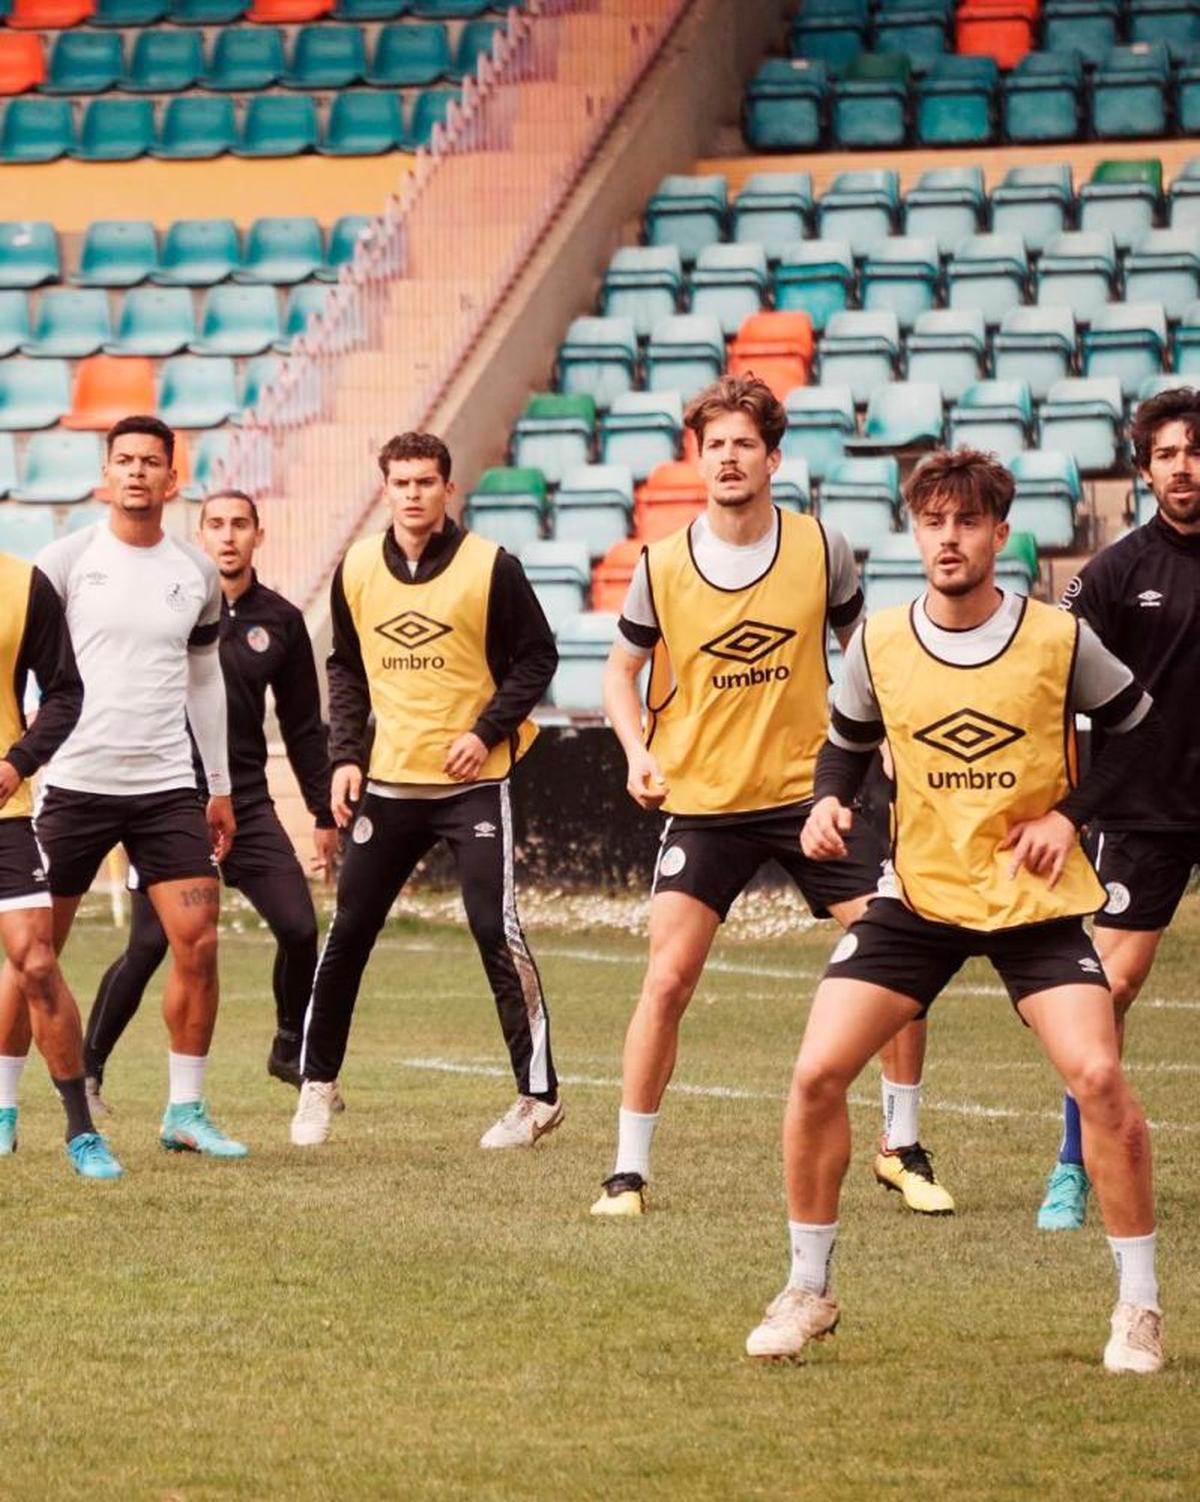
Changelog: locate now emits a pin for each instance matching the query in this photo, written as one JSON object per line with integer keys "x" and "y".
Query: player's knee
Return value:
{"x": 298, "y": 934}
{"x": 818, "y": 1084}
{"x": 669, "y": 984}
{"x": 198, "y": 953}
{"x": 1124, "y": 992}
{"x": 36, "y": 966}
{"x": 1099, "y": 1086}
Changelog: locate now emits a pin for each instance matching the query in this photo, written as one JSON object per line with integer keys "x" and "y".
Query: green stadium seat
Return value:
{"x": 901, "y": 276}
{"x": 594, "y": 507}
{"x": 281, "y": 250}
{"x": 642, "y": 283}
{"x": 860, "y": 207}
{"x": 84, "y": 62}
{"x": 36, "y": 130}
{"x": 956, "y": 102}
{"x": 508, "y": 506}
{"x": 1124, "y": 197}
{"x": 245, "y": 59}
{"x": 198, "y": 391}
{"x": 475, "y": 41}
{"x": 1126, "y": 340}
{"x": 155, "y": 322}
{"x": 949, "y": 346}
{"x": 303, "y": 303}
{"x": 432, "y": 108}
{"x": 1185, "y": 347}
{"x": 947, "y": 203}
{"x": 1033, "y": 202}
{"x": 407, "y": 57}
{"x": 71, "y": 323}
{"x": 685, "y": 352}
{"x": 116, "y": 130}
{"x": 205, "y": 12}
{"x": 60, "y": 467}
{"x": 1130, "y": 92}
{"x": 870, "y": 101}
{"x": 597, "y": 358}
{"x": 278, "y": 126}
{"x": 584, "y": 642}
{"x": 117, "y": 253}
{"x": 238, "y": 321}
{"x": 14, "y": 322}
{"x": 198, "y": 253}
{"x": 819, "y": 419}
{"x": 363, "y": 122}
{"x": 164, "y": 62}
{"x": 989, "y": 272}
{"x": 554, "y": 434}
{"x": 642, "y": 430}
{"x": 1042, "y": 97}
{"x": 688, "y": 212}
{"x": 1174, "y": 24}
{"x": 1036, "y": 345}
{"x": 730, "y": 283}
{"x": 28, "y": 253}
{"x": 814, "y": 277}
{"x": 859, "y": 498}
{"x": 784, "y": 108}
{"x": 128, "y": 13}
{"x": 1017, "y": 564}
{"x": 1078, "y": 270}
{"x": 903, "y": 415}
{"x": 327, "y": 57}
{"x": 791, "y": 485}
{"x": 33, "y": 393}
{"x": 860, "y": 350}
{"x": 1048, "y": 493}
{"x": 561, "y": 575}
{"x": 773, "y": 210}
{"x": 343, "y": 240}
{"x": 833, "y": 34}
{"x": 195, "y": 128}
{"x": 995, "y": 416}
{"x": 1088, "y": 29}
{"x": 8, "y": 464}
{"x": 1082, "y": 417}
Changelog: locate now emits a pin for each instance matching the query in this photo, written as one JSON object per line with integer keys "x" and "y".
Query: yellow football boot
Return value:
{"x": 624, "y": 1194}
{"x": 909, "y": 1171}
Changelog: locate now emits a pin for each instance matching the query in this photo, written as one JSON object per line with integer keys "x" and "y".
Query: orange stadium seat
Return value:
{"x": 670, "y": 498}
{"x": 279, "y": 12}
{"x": 1002, "y": 29}
{"x": 49, "y": 15}
{"x": 611, "y": 576}
{"x": 776, "y": 347}
{"x": 22, "y": 63}
{"x": 109, "y": 387}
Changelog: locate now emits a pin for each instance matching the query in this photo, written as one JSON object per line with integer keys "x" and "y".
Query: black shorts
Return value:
{"x": 713, "y": 860}
{"x": 894, "y": 947}
{"x": 22, "y": 870}
{"x": 260, "y": 848}
{"x": 1144, "y": 875}
{"x": 164, "y": 834}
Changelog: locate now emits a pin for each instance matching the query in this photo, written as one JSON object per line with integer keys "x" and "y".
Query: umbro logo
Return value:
{"x": 1150, "y": 599}
{"x": 485, "y": 830}
{"x": 748, "y": 641}
{"x": 411, "y": 629}
{"x": 968, "y": 734}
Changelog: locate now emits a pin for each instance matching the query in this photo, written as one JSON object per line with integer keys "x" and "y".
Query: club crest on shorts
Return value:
{"x": 673, "y": 861}
{"x": 258, "y": 638}
{"x": 363, "y": 830}
{"x": 1118, "y": 897}
{"x": 845, "y": 948}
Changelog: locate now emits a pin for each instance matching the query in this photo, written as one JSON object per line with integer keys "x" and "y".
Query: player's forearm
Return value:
{"x": 623, "y": 706}
{"x": 207, "y": 715}
{"x": 1118, "y": 763}
{"x": 840, "y": 773}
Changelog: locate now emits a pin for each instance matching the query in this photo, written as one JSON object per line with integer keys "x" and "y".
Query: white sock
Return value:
{"x": 635, "y": 1133}
{"x": 185, "y": 1073}
{"x": 812, "y": 1252}
{"x": 11, "y": 1068}
{"x": 1136, "y": 1280}
{"x": 900, "y": 1106}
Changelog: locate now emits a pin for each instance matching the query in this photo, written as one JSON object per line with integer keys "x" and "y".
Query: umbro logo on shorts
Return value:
{"x": 968, "y": 734}
{"x": 748, "y": 641}
{"x": 1090, "y": 965}
{"x": 411, "y": 629}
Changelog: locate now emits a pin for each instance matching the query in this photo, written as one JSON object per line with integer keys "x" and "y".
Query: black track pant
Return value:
{"x": 389, "y": 837}
{"x": 264, "y": 867}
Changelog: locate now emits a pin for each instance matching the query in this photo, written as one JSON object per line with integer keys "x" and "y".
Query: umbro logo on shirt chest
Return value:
{"x": 1150, "y": 599}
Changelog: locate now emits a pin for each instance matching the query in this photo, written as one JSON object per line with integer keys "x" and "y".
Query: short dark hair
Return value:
{"x": 976, "y": 481}
{"x": 734, "y": 393}
{"x": 230, "y": 494}
{"x": 1179, "y": 404}
{"x": 415, "y": 446}
{"x": 154, "y": 427}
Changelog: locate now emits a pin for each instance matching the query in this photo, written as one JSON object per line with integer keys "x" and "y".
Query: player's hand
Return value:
{"x": 646, "y": 784}
{"x": 222, "y": 826}
{"x": 821, "y": 838}
{"x": 1041, "y": 845}
{"x": 345, "y": 789}
{"x": 10, "y": 781}
{"x": 465, "y": 758}
{"x": 326, "y": 849}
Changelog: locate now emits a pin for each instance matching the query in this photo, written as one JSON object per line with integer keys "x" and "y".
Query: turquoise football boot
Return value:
{"x": 188, "y": 1128}
{"x": 1065, "y": 1205}
{"x": 90, "y": 1157}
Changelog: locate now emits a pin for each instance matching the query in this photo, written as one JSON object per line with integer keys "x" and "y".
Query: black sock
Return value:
{"x": 74, "y": 1099}
{"x": 547, "y": 1097}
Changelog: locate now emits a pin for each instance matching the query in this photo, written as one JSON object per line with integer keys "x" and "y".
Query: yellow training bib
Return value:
{"x": 16, "y": 579}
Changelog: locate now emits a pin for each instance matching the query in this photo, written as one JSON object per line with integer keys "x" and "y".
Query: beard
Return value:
{"x": 1180, "y": 507}
{"x": 962, "y": 583}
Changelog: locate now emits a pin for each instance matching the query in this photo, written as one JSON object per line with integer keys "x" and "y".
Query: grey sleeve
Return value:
{"x": 56, "y": 559}
{"x": 1103, "y": 687}
{"x": 855, "y": 723}
{"x": 845, "y": 592}
{"x": 638, "y": 630}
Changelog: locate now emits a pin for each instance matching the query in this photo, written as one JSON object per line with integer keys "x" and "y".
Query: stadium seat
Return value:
{"x": 1078, "y": 270}
{"x": 1017, "y": 564}
{"x": 611, "y": 576}
{"x": 1126, "y": 340}
{"x": 893, "y": 573}
{"x": 1003, "y": 31}
{"x": 117, "y": 253}
{"x": 948, "y": 346}
{"x": 260, "y": 373}
{"x": 281, "y": 251}
{"x": 994, "y": 416}
{"x": 33, "y": 393}
{"x": 672, "y": 496}
{"x": 363, "y": 122}
{"x": 238, "y": 321}
{"x": 819, "y": 419}
{"x": 8, "y": 464}
{"x": 641, "y": 430}
{"x": 1130, "y": 92}
{"x": 14, "y": 322}
{"x": 860, "y": 350}
{"x": 71, "y": 323}
{"x": 956, "y": 102}
{"x": 1173, "y": 23}
{"x": 1036, "y": 345}
{"x": 431, "y": 109}
{"x": 369, "y": 10}
{"x": 210, "y": 448}
{"x": 597, "y": 359}
{"x": 304, "y": 302}
{"x": 343, "y": 241}
{"x": 584, "y": 642}
{"x": 785, "y": 104}
{"x": 198, "y": 253}
{"x": 554, "y": 434}
{"x": 814, "y": 277}
{"x": 1164, "y": 266}
{"x": 22, "y": 62}
{"x": 60, "y": 467}
{"x": 1155, "y": 385}
{"x": 408, "y": 57}
{"x": 1042, "y": 97}
{"x": 593, "y": 506}
{"x": 870, "y": 101}
{"x": 326, "y": 57}
{"x": 685, "y": 352}
{"x": 1048, "y": 492}
{"x": 36, "y": 130}
{"x": 1187, "y": 95}
{"x": 84, "y": 62}
{"x": 116, "y": 130}
{"x": 1082, "y": 417}
{"x": 791, "y": 485}
{"x": 642, "y": 283}
{"x": 26, "y": 530}
{"x": 205, "y": 12}
{"x": 917, "y": 27}
{"x": 245, "y": 59}
{"x": 901, "y": 275}
{"x": 450, "y": 10}
{"x": 903, "y": 415}
{"x": 1124, "y": 197}
{"x": 155, "y": 322}
{"x": 688, "y": 212}
{"x": 834, "y": 33}
{"x": 275, "y": 125}
{"x": 128, "y": 13}
{"x": 1087, "y": 29}
{"x": 776, "y": 347}
{"x": 859, "y": 498}
{"x": 164, "y": 62}
{"x": 107, "y": 388}
{"x": 729, "y": 282}
{"x": 477, "y": 39}
{"x": 194, "y": 128}
{"x": 1185, "y": 347}
{"x": 946, "y": 204}
{"x": 508, "y": 506}
{"x": 989, "y": 272}
{"x": 48, "y": 15}
{"x": 1033, "y": 202}
{"x": 561, "y": 575}
{"x": 198, "y": 391}
{"x": 28, "y": 253}
{"x": 1184, "y": 196}
{"x": 773, "y": 210}
{"x": 280, "y": 12}
{"x": 860, "y": 208}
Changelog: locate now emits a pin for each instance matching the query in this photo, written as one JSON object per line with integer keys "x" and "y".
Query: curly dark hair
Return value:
{"x": 415, "y": 446}
{"x": 738, "y": 394}
{"x": 1180, "y": 404}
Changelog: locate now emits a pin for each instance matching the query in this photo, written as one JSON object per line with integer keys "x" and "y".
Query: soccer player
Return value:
{"x": 1141, "y": 596}
{"x": 143, "y": 611}
{"x": 976, "y": 691}
{"x": 438, "y": 633}
{"x": 734, "y": 611}
{"x": 263, "y": 644}
{"x": 34, "y": 639}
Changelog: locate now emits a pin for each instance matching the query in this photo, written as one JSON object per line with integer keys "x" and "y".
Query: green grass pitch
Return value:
{"x": 400, "y": 1315}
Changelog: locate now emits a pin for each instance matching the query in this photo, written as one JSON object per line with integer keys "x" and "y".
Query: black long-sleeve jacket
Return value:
{"x": 46, "y": 652}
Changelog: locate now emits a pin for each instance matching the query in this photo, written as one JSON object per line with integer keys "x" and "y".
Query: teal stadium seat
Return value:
{"x": 1187, "y": 95}
{"x": 408, "y": 57}
{"x": 432, "y": 108}
{"x": 1144, "y": 503}
{"x": 164, "y": 62}
{"x": 643, "y": 284}
{"x": 946, "y": 203}
{"x": 1078, "y": 270}
{"x": 1173, "y": 23}
{"x": 363, "y": 122}
{"x": 830, "y": 31}
{"x": 116, "y": 130}
{"x": 584, "y": 642}
{"x": 1047, "y": 497}
{"x": 1130, "y": 92}
{"x": 1183, "y": 198}
{"x": 995, "y": 416}
{"x": 26, "y": 530}
{"x": 303, "y": 303}
{"x": 901, "y": 276}
{"x": 60, "y": 467}
{"x": 155, "y": 322}
{"x": 1033, "y": 202}
{"x": 205, "y": 12}
{"x": 870, "y": 101}
{"x": 208, "y": 450}
{"x": 597, "y": 358}
{"x": 198, "y": 253}
{"x": 260, "y": 373}
{"x": 1036, "y": 345}
{"x": 278, "y": 126}
{"x": 893, "y": 574}
{"x": 819, "y": 420}
{"x": 859, "y": 498}
{"x": 917, "y": 27}
{"x": 36, "y": 130}
{"x": 773, "y": 210}
{"x": 450, "y": 10}
{"x": 642, "y": 430}
{"x": 195, "y": 129}
{"x": 1126, "y": 340}
{"x": 860, "y": 350}
{"x": 815, "y": 277}
{"x": 989, "y": 272}
{"x": 198, "y": 391}
{"x": 1082, "y": 417}
{"x": 1155, "y": 385}
{"x": 1088, "y": 29}
{"x": 71, "y": 323}
{"x": 281, "y": 250}
{"x": 128, "y": 13}
{"x": 8, "y": 464}
{"x": 326, "y": 57}
{"x": 688, "y": 212}
{"x": 730, "y": 283}
{"x": 1042, "y": 97}
{"x": 508, "y": 506}
{"x": 84, "y": 62}
{"x": 861, "y": 208}
{"x": 956, "y": 102}
{"x": 1185, "y": 347}
{"x": 1124, "y": 197}
{"x": 33, "y": 393}
{"x": 594, "y": 506}
{"x": 685, "y": 352}
{"x": 561, "y": 575}
{"x": 785, "y": 105}
{"x": 238, "y": 321}
{"x": 554, "y": 434}
{"x": 343, "y": 240}
{"x": 14, "y": 322}
{"x": 949, "y": 346}
{"x": 791, "y": 485}
{"x": 117, "y": 253}
{"x": 28, "y": 253}
{"x": 904, "y": 415}
{"x": 245, "y": 59}
{"x": 369, "y": 10}
{"x": 1164, "y": 266}
{"x": 476, "y": 40}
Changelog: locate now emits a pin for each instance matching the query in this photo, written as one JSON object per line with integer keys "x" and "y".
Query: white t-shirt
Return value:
{"x": 134, "y": 614}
